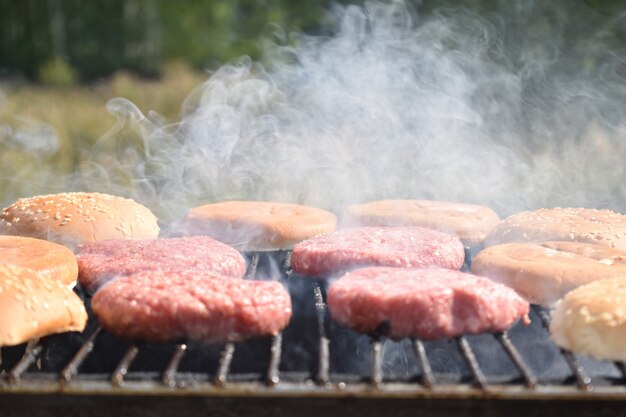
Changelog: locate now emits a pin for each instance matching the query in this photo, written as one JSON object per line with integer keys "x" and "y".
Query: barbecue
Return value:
{"x": 506, "y": 110}
{"x": 313, "y": 366}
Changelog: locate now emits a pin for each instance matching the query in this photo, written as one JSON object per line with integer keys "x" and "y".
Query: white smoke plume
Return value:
{"x": 391, "y": 105}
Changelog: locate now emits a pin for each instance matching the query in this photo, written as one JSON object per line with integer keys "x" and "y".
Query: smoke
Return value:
{"x": 449, "y": 106}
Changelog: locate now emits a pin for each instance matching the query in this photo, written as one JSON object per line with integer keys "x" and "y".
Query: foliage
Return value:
{"x": 57, "y": 73}
{"x": 72, "y": 120}
{"x": 98, "y": 38}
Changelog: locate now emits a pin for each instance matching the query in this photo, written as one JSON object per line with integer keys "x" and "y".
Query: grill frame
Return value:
{"x": 278, "y": 390}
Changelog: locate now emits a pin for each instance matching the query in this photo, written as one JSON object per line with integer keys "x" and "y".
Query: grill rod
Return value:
{"x": 121, "y": 370}
{"x": 273, "y": 373}
{"x": 468, "y": 354}
{"x": 323, "y": 360}
{"x": 376, "y": 376}
{"x": 226, "y": 357}
{"x": 582, "y": 378}
{"x": 254, "y": 264}
{"x": 169, "y": 375}
{"x": 71, "y": 369}
{"x": 529, "y": 378}
{"x": 33, "y": 350}
{"x": 428, "y": 378}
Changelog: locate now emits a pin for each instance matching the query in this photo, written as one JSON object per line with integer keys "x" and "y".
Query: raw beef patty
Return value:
{"x": 99, "y": 262}
{"x": 405, "y": 247}
{"x": 170, "y": 306}
{"x": 429, "y": 303}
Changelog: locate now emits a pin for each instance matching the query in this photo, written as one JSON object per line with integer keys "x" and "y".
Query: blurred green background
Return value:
{"x": 61, "y": 60}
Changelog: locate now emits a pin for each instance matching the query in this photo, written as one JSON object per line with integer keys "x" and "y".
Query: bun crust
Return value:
{"x": 602, "y": 227}
{"x": 49, "y": 260}
{"x": 592, "y": 320}
{"x": 469, "y": 222}
{"x": 544, "y": 272}
{"x": 76, "y": 218}
{"x": 33, "y": 306}
{"x": 258, "y": 225}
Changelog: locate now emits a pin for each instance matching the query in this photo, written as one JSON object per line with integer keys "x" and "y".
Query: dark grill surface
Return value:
{"x": 314, "y": 366}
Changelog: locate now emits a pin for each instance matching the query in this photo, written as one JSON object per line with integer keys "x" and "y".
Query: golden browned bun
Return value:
{"x": 33, "y": 306}
{"x": 75, "y": 218}
{"x": 592, "y": 320}
{"x": 544, "y": 272}
{"x": 603, "y": 227}
{"x": 469, "y": 222}
{"x": 47, "y": 259}
{"x": 258, "y": 225}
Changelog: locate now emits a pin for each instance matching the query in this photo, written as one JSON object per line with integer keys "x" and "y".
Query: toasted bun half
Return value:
{"x": 544, "y": 272}
{"x": 49, "y": 260}
{"x": 75, "y": 218}
{"x": 603, "y": 227}
{"x": 258, "y": 225}
{"x": 469, "y": 222}
{"x": 592, "y": 320}
{"x": 33, "y": 306}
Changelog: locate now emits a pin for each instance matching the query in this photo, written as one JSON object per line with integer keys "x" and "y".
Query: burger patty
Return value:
{"x": 169, "y": 306}
{"x": 429, "y": 303}
{"x": 99, "y": 262}
{"x": 406, "y": 247}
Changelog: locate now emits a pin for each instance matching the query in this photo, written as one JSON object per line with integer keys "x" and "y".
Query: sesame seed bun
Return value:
{"x": 469, "y": 222}
{"x": 602, "y": 227}
{"x": 544, "y": 272}
{"x": 592, "y": 320}
{"x": 49, "y": 260}
{"x": 75, "y": 218}
{"x": 258, "y": 225}
{"x": 33, "y": 306}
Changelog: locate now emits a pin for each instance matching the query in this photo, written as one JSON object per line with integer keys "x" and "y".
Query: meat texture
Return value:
{"x": 429, "y": 303}
{"x": 404, "y": 247}
{"x": 99, "y": 262}
{"x": 170, "y": 306}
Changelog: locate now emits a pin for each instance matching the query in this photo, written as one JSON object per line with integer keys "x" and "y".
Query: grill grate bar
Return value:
{"x": 468, "y": 354}
{"x": 323, "y": 362}
{"x": 621, "y": 366}
{"x": 582, "y": 377}
{"x": 33, "y": 350}
{"x": 529, "y": 378}
{"x": 273, "y": 372}
{"x": 117, "y": 378}
{"x": 428, "y": 378}
{"x": 287, "y": 263}
{"x": 376, "y": 376}
{"x": 169, "y": 376}
{"x": 71, "y": 369}
{"x": 254, "y": 264}
{"x": 226, "y": 357}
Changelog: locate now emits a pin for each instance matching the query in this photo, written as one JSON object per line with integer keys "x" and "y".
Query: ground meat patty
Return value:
{"x": 406, "y": 247}
{"x": 169, "y": 306}
{"x": 429, "y": 303}
{"x": 99, "y": 262}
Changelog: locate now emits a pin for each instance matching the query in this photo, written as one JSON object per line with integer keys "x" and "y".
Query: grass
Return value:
{"x": 46, "y": 131}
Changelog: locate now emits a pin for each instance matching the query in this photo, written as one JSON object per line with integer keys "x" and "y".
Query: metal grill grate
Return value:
{"x": 318, "y": 345}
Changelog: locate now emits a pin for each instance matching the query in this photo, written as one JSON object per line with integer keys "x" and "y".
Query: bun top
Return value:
{"x": 470, "y": 222}
{"x": 602, "y": 227}
{"x": 544, "y": 272}
{"x": 76, "y": 218}
{"x": 33, "y": 306}
{"x": 49, "y": 260}
{"x": 592, "y": 320}
{"x": 258, "y": 225}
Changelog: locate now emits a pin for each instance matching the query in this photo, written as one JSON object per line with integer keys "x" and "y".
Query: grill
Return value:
{"x": 314, "y": 366}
